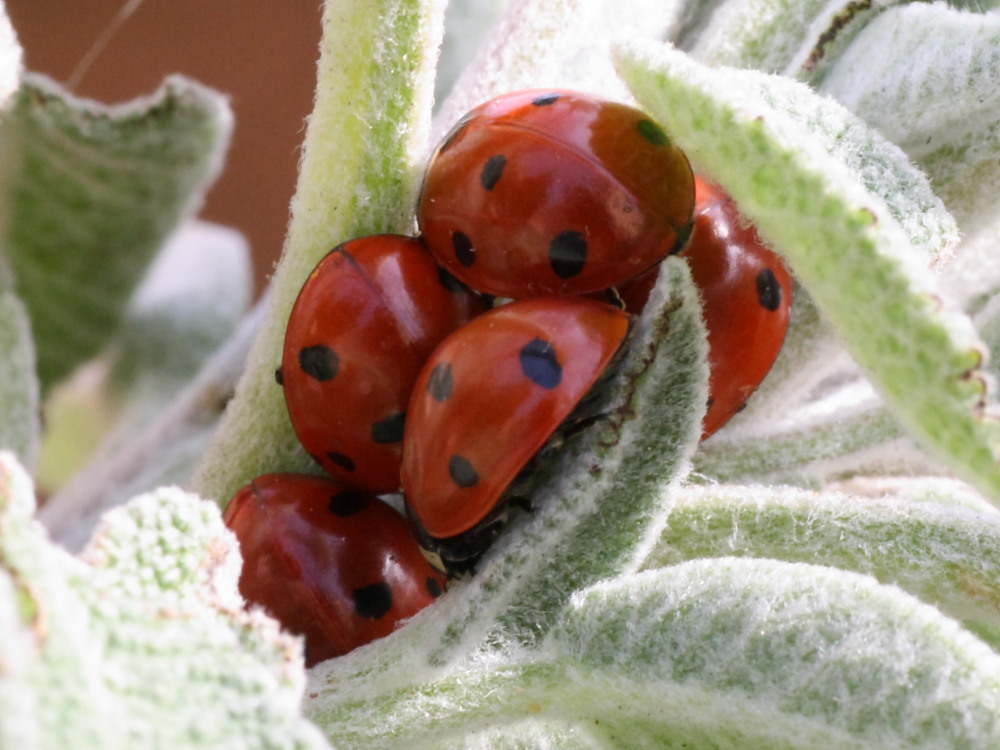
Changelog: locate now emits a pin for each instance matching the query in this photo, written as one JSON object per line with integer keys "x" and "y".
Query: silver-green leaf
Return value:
{"x": 143, "y": 642}
{"x": 841, "y": 204}
{"x": 19, "y": 392}
{"x": 779, "y": 36}
{"x": 91, "y": 192}
{"x": 894, "y": 75}
{"x": 739, "y": 653}
{"x": 946, "y": 555}
{"x": 361, "y": 169}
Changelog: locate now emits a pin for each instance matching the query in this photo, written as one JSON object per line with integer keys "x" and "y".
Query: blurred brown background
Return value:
{"x": 260, "y": 52}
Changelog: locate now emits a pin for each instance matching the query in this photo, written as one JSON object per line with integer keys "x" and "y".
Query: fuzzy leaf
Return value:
{"x": 600, "y": 504}
{"x": 361, "y": 169}
{"x": 540, "y": 734}
{"x": 19, "y": 397}
{"x": 143, "y": 643}
{"x": 841, "y": 205}
{"x": 798, "y": 38}
{"x": 92, "y": 192}
{"x": 556, "y": 43}
{"x": 893, "y": 75}
{"x": 163, "y": 450}
{"x": 806, "y": 447}
{"x": 733, "y": 653}
{"x": 724, "y": 653}
{"x": 972, "y": 275}
{"x": 187, "y": 305}
{"x": 190, "y": 301}
{"x": 778, "y": 35}
{"x": 467, "y": 24}
{"x": 946, "y": 556}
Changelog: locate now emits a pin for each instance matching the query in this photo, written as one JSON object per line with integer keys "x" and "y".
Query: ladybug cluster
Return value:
{"x": 402, "y": 371}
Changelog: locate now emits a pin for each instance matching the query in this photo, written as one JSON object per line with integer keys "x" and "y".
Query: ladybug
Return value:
{"x": 746, "y": 294}
{"x": 554, "y": 192}
{"x": 491, "y": 396}
{"x": 329, "y": 562}
{"x": 366, "y": 320}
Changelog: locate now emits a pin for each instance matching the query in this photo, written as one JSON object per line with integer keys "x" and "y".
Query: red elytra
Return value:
{"x": 554, "y": 192}
{"x": 331, "y": 563}
{"x": 487, "y": 401}
{"x": 364, "y": 323}
{"x": 746, "y": 294}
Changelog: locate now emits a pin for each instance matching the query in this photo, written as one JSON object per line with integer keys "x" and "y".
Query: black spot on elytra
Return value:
{"x": 568, "y": 254}
{"x": 546, "y": 99}
{"x": 279, "y": 376}
{"x": 373, "y": 602}
{"x": 442, "y": 382}
{"x": 462, "y": 472}
{"x": 540, "y": 364}
{"x": 341, "y": 460}
{"x": 434, "y": 588}
{"x": 319, "y": 362}
{"x": 768, "y": 290}
{"x": 652, "y": 133}
{"x": 347, "y": 503}
{"x": 390, "y": 429}
{"x": 465, "y": 253}
{"x": 492, "y": 171}
{"x": 682, "y": 239}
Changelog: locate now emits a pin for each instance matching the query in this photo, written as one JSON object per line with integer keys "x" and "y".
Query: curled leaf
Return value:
{"x": 765, "y": 654}
{"x": 840, "y": 204}
{"x": 894, "y": 75}
{"x": 143, "y": 643}
{"x": 19, "y": 392}
{"x": 780, "y": 36}
{"x": 946, "y": 556}
{"x": 91, "y": 193}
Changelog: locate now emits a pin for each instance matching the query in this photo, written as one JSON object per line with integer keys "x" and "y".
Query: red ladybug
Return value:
{"x": 364, "y": 323}
{"x": 331, "y": 563}
{"x": 554, "y": 192}
{"x": 746, "y": 296}
{"x": 487, "y": 401}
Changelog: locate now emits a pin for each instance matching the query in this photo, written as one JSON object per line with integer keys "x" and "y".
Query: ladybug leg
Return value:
{"x": 458, "y": 555}
{"x": 521, "y": 502}
{"x": 612, "y": 297}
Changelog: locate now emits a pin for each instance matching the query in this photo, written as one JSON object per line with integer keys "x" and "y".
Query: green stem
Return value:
{"x": 364, "y": 148}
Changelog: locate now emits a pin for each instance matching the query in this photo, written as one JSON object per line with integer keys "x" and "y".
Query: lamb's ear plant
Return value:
{"x": 824, "y": 572}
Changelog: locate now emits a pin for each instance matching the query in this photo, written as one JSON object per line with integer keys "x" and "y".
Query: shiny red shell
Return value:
{"x": 366, "y": 320}
{"x": 554, "y": 192}
{"x": 746, "y": 294}
{"x": 491, "y": 396}
{"x": 333, "y": 564}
